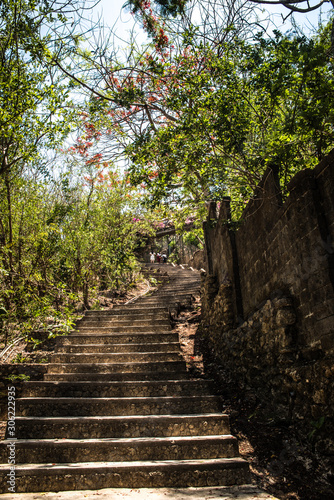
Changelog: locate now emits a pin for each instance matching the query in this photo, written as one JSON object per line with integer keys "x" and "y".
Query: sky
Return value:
{"x": 121, "y": 19}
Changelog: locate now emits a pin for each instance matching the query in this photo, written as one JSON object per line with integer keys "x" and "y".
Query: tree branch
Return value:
{"x": 291, "y": 4}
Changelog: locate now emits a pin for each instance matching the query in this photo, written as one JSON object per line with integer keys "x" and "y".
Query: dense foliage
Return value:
{"x": 68, "y": 242}
{"x": 62, "y": 236}
{"x": 196, "y": 114}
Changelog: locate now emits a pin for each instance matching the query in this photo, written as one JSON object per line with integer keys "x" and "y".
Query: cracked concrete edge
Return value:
{"x": 247, "y": 492}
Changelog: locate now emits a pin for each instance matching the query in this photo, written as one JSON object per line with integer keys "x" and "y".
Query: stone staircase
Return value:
{"x": 118, "y": 408}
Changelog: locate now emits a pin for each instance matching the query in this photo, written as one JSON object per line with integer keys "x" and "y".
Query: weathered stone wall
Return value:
{"x": 268, "y": 298}
{"x": 197, "y": 261}
{"x": 288, "y": 247}
{"x": 282, "y": 247}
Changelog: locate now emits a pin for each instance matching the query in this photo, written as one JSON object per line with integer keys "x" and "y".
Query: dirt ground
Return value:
{"x": 220, "y": 493}
{"x": 279, "y": 462}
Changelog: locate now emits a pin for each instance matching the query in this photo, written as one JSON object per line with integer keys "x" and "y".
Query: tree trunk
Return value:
{"x": 10, "y": 226}
{"x": 85, "y": 292}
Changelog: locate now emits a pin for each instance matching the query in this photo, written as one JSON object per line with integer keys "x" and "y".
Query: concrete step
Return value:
{"x": 189, "y": 285}
{"x": 137, "y": 307}
{"x": 115, "y": 388}
{"x": 57, "y": 407}
{"x": 136, "y": 311}
{"x": 122, "y": 449}
{"x": 131, "y": 309}
{"x": 188, "y": 294}
{"x": 122, "y": 426}
{"x": 144, "y": 474}
{"x": 118, "y": 338}
{"x": 116, "y": 376}
{"x": 112, "y": 357}
{"x": 163, "y": 324}
{"x": 172, "y": 292}
{"x": 153, "y": 366}
{"x": 122, "y": 329}
{"x": 137, "y": 316}
{"x": 105, "y": 348}
{"x": 167, "y": 299}
{"x": 188, "y": 281}
{"x": 191, "y": 288}
{"x": 171, "y": 303}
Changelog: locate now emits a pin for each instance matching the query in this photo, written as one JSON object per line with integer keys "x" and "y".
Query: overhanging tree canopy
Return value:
{"x": 199, "y": 120}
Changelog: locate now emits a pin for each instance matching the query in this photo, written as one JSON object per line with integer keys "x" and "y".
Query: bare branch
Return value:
{"x": 291, "y": 5}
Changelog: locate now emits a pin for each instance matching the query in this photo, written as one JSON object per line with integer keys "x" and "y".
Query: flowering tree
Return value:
{"x": 198, "y": 118}
{"x": 131, "y": 102}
